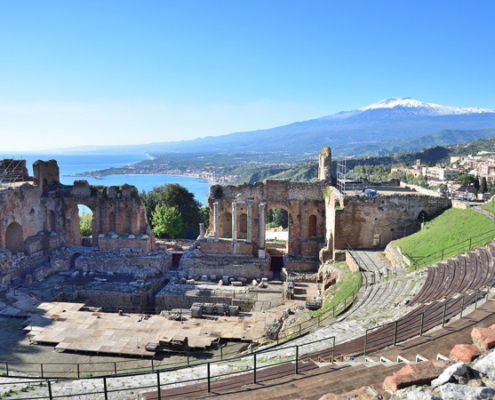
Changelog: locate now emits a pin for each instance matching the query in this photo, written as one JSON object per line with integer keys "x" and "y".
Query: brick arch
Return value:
{"x": 14, "y": 238}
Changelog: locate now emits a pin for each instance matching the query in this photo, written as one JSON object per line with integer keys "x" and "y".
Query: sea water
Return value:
{"x": 70, "y": 164}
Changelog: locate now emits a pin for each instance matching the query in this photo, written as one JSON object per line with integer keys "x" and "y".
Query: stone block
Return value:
{"x": 484, "y": 338}
{"x": 414, "y": 374}
{"x": 486, "y": 365}
{"x": 454, "y": 371}
{"x": 453, "y": 391}
{"x": 465, "y": 352}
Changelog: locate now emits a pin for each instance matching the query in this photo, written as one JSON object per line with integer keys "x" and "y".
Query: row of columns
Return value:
{"x": 216, "y": 221}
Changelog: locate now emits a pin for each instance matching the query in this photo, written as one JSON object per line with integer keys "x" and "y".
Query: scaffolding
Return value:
{"x": 341, "y": 173}
{"x": 343, "y": 183}
{"x": 12, "y": 171}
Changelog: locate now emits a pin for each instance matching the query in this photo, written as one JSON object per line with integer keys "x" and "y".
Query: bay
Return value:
{"x": 76, "y": 163}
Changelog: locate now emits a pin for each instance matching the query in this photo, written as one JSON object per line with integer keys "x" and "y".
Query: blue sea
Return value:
{"x": 73, "y": 163}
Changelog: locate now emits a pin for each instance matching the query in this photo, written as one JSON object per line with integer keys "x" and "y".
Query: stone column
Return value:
{"x": 201, "y": 231}
{"x": 261, "y": 251}
{"x": 234, "y": 221}
{"x": 216, "y": 217}
{"x": 249, "y": 238}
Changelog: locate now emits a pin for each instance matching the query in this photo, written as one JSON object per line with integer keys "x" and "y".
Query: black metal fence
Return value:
{"x": 456, "y": 249}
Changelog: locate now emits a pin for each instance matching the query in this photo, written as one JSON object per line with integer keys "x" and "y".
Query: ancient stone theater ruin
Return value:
{"x": 231, "y": 269}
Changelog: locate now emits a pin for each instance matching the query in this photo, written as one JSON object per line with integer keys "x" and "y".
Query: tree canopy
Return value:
{"x": 85, "y": 224}
{"x": 167, "y": 221}
{"x": 182, "y": 200}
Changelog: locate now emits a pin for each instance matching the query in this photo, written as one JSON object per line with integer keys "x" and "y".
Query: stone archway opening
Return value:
{"x": 85, "y": 220}
{"x": 277, "y": 238}
{"x": 14, "y": 238}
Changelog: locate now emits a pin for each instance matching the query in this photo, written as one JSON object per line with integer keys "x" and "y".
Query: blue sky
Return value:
{"x": 121, "y": 72}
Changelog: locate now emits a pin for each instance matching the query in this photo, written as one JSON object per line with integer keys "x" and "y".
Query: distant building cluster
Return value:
{"x": 481, "y": 167}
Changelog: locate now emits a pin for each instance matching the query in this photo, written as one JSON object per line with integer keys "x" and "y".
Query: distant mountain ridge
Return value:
{"x": 394, "y": 119}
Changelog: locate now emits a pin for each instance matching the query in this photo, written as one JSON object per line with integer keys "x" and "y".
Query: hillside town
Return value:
{"x": 466, "y": 177}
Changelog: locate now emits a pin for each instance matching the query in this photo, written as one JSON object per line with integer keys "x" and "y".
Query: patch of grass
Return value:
{"x": 450, "y": 234}
{"x": 490, "y": 206}
{"x": 349, "y": 283}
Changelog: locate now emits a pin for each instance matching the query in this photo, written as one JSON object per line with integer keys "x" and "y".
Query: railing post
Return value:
{"x": 421, "y": 324}
{"x": 333, "y": 350}
{"x": 462, "y": 305}
{"x": 443, "y": 314}
{"x": 105, "y": 388}
{"x": 188, "y": 359}
{"x": 50, "y": 395}
{"x": 365, "y": 342}
{"x": 78, "y": 371}
{"x": 297, "y": 359}
{"x": 152, "y": 366}
{"x": 395, "y": 333}
{"x": 7, "y": 368}
{"x": 299, "y": 329}
{"x": 158, "y": 385}
{"x": 41, "y": 367}
{"x": 318, "y": 320}
{"x": 470, "y": 241}
{"x": 209, "y": 378}
{"x": 115, "y": 368}
{"x": 254, "y": 368}
{"x": 221, "y": 352}
{"x": 476, "y": 299}
{"x": 333, "y": 312}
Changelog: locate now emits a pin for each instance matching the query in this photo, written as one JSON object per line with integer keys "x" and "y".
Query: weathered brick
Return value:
{"x": 465, "y": 352}
{"x": 414, "y": 374}
{"x": 484, "y": 338}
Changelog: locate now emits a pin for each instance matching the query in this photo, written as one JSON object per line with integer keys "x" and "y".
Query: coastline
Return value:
{"x": 102, "y": 178}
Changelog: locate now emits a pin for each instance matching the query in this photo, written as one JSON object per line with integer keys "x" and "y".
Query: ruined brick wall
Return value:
{"x": 303, "y": 202}
{"x": 374, "y": 221}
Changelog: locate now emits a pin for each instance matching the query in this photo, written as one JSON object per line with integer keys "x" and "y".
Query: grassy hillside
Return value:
{"x": 451, "y": 233}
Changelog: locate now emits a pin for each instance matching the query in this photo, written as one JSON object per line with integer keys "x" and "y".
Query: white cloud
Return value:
{"x": 38, "y": 126}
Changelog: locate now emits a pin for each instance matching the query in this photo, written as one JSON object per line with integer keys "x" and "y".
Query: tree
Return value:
{"x": 484, "y": 185}
{"x": 85, "y": 224}
{"x": 465, "y": 179}
{"x": 477, "y": 185}
{"x": 279, "y": 217}
{"x": 204, "y": 216}
{"x": 175, "y": 195}
{"x": 167, "y": 221}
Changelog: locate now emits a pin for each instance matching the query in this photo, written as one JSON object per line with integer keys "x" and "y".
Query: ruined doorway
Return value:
{"x": 276, "y": 265}
{"x": 79, "y": 226}
{"x": 14, "y": 238}
{"x": 277, "y": 230}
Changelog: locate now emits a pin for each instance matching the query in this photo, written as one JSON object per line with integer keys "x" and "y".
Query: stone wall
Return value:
{"x": 239, "y": 212}
{"x": 42, "y": 215}
{"x": 374, "y": 221}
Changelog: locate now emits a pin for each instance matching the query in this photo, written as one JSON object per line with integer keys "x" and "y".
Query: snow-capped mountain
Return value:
{"x": 397, "y": 106}
{"x": 390, "y": 120}
{"x": 420, "y": 108}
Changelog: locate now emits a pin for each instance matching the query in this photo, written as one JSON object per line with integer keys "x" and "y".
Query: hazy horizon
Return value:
{"x": 123, "y": 72}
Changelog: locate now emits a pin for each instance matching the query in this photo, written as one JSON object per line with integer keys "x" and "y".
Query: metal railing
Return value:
{"x": 252, "y": 364}
{"x": 456, "y": 249}
{"x": 422, "y": 321}
{"x": 184, "y": 359}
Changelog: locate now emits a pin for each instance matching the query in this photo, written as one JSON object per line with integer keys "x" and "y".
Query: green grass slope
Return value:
{"x": 453, "y": 232}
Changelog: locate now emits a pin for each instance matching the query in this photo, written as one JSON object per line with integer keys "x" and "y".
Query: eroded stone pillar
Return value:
{"x": 234, "y": 221}
{"x": 261, "y": 251}
{"x": 216, "y": 218}
{"x": 249, "y": 238}
{"x": 201, "y": 231}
